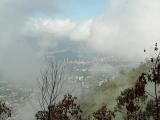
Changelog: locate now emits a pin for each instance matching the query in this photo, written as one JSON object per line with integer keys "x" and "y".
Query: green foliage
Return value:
{"x": 107, "y": 93}
{"x": 129, "y": 98}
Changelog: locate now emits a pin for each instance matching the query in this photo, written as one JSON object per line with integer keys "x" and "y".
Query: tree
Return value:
{"x": 103, "y": 114}
{"x": 132, "y": 96}
{"x": 130, "y": 103}
{"x": 51, "y": 87}
{"x": 5, "y": 111}
{"x": 150, "y": 112}
{"x": 67, "y": 109}
{"x": 153, "y": 76}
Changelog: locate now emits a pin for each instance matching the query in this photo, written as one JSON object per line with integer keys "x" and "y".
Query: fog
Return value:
{"x": 29, "y": 30}
{"x": 123, "y": 28}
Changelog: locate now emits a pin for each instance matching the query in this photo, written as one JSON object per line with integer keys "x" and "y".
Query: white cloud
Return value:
{"x": 82, "y": 30}
{"x": 61, "y": 28}
{"x": 57, "y": 27}
{"x": 13, "y": 16}
{"x": 126, "y": 27}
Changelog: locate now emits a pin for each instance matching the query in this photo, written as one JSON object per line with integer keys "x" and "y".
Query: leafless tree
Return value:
{"x": 51, "y": 83}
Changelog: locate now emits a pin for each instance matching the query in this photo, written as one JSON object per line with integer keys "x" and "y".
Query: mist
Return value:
{"x": 30, "y": 30}
{"x": 121, "y": 29}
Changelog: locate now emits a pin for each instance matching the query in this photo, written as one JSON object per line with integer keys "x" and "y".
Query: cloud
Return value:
{"x": 15, "y": 13}
{"x": 130, "y": 27}
{"x": 81, "y": 30}
{"x": 19, "y": 61}
{"x": 17, "y": 58}
{"x": 125, "y": 28}
{"x": 61, "y": 28}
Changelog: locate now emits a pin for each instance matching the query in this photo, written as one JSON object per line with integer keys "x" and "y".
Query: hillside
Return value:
{"x": 109, "y": 90}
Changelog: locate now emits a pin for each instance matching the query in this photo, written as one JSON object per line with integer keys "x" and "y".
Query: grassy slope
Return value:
{"x": 108, "y": 92}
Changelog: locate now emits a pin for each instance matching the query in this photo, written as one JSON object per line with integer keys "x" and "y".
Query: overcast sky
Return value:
{"x": 29, "y": 27}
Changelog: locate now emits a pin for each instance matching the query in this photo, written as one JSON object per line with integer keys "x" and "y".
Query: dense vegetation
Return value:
{"x": 134, "y": 96}
{"x": 109, "y": 90}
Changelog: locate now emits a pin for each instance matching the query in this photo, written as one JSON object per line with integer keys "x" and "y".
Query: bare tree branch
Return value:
{"x": 51, "y": 84}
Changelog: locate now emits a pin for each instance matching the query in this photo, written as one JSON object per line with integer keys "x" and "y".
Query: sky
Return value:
{"x": 76, "y": 9}
{"x": 82, "y": 9}
{"x": 28, "y": 28}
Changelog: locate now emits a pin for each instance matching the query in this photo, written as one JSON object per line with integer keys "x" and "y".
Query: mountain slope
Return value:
{"x": 109, "y": 90}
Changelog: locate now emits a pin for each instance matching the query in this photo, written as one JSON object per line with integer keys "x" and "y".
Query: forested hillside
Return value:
{"x": 107, "y": 93}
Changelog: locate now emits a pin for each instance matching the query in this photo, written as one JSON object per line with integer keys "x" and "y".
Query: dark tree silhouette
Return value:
{"x": 133, "y": 98}
{"x": 66, "y": 109}
{"x": 103, "y": 114}
{"x": 150, "y": 111}
{"x": 5, "y": 111}
{"x": 51, "y": 86}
